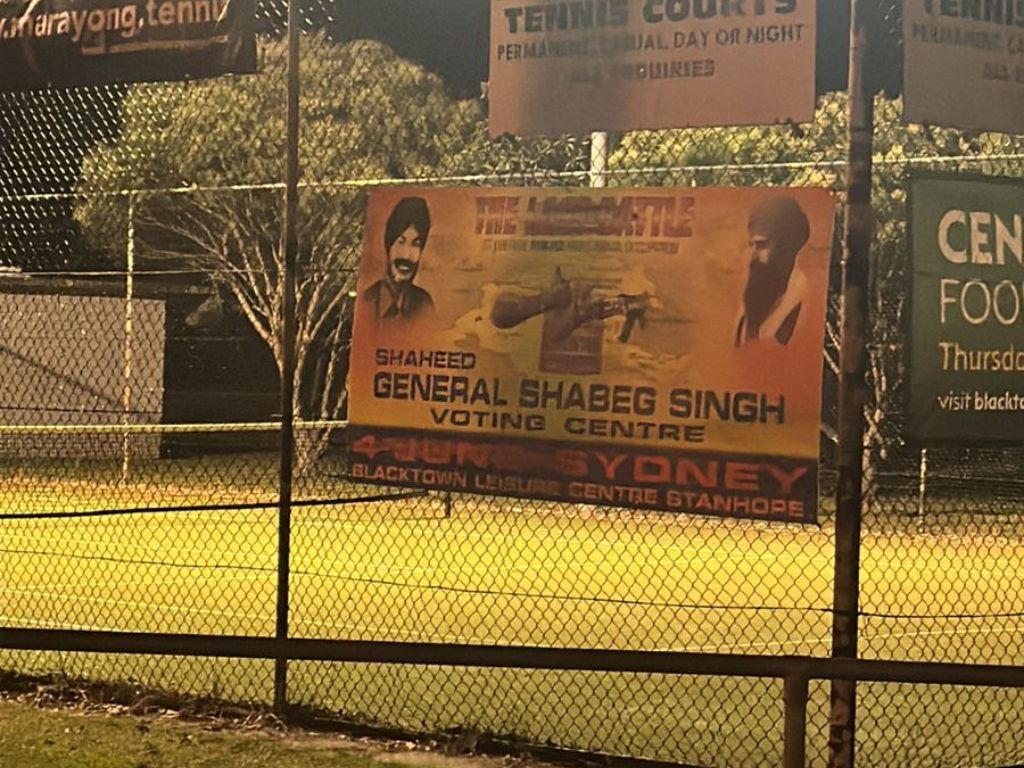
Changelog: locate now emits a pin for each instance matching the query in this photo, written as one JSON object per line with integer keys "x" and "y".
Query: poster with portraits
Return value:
{"x": 649, "y": 348}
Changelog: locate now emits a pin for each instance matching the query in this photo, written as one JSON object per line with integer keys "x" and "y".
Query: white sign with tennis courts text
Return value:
{"x": 964, "y": 64}
{"x": 585, "y": 65}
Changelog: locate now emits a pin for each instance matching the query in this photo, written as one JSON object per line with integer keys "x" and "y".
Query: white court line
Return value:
{"x": 978, "y": 631}
{"x": 318, "y": 566}
{"x": 78, "y": 586}
{"x": 375, "y": 633}
{"x": 942, "y": 633}
{"x": 46, "y": 624}
{"x": 561, "y": 543}
{"x": 653, "y": 552}
{"x": 762, "y": 645}
{"x": 149, "y": 606}
{"x": 51, "y": 591}
{"x": 357, "y": 631}
{"x": 328, "y": 578}
{"x": 588, "y": 565}
{"x": 111, "y": 548}
{"x": 108, "y": 549}
{"x": 378, "y": 633}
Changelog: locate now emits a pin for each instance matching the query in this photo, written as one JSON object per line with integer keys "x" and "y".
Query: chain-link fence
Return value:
{"x": 140, "y": 273}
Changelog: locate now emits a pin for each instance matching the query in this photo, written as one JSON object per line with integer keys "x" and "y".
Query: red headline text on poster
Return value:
{"x": 711, "y": 483}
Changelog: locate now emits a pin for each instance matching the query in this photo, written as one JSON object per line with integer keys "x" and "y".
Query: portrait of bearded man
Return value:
{"x": 773, "y": 297}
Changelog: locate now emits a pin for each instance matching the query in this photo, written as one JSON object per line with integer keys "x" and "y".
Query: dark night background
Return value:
{"x": 449, "y": 37}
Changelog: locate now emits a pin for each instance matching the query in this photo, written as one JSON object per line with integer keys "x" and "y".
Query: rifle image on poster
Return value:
{"x": 568, "y": 305}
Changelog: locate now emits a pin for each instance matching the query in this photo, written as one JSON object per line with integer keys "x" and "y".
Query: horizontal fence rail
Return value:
{"x": 513, "y": 657}
{"x": 795, "y": 671}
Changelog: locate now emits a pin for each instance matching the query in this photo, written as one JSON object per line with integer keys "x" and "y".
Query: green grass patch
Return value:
{"x": 31, "y": 737}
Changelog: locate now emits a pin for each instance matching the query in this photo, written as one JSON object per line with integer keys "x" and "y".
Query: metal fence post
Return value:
{"x": 794, "y": 695}
{"x": 598, "y": 172}
{"x": 288, "y": 335}
{"x": 922, "y": 487}
{"x": 129, "y": 338}
{"x": 857, "y": 234}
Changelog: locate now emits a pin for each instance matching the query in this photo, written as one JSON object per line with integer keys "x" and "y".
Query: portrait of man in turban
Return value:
{"x": 774, "y": 293}
{"x": 396, "y": 295}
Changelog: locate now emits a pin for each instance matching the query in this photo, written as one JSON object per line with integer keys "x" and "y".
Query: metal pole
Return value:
{"x": 288, "y": 334}
{"x": 129, "y": 337}
{"x": 794, "y": 695}
{"x": 922, "y": 487}
{"x": 857, "y": 233}
{"x": 598, "y": 159}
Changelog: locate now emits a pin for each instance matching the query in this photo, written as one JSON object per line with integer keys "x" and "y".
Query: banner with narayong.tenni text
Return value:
{"x": 650, "y": 348}
{"x": 65, "y": 43}
{"x": 964, "y": 63}
{"x": 967, "y": 318}
{"x": 576, "y": 66}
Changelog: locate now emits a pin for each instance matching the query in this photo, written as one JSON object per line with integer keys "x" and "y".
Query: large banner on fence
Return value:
{"x": 649, "y": 348}
{"x": 585, "y": 65}
{"x": 93, "y": 42}
{"x": 967, "y": 325}
{"x": 964, "y": 64}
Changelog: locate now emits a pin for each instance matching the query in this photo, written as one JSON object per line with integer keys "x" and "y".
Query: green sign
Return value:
{"x": 967, "y": 332}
